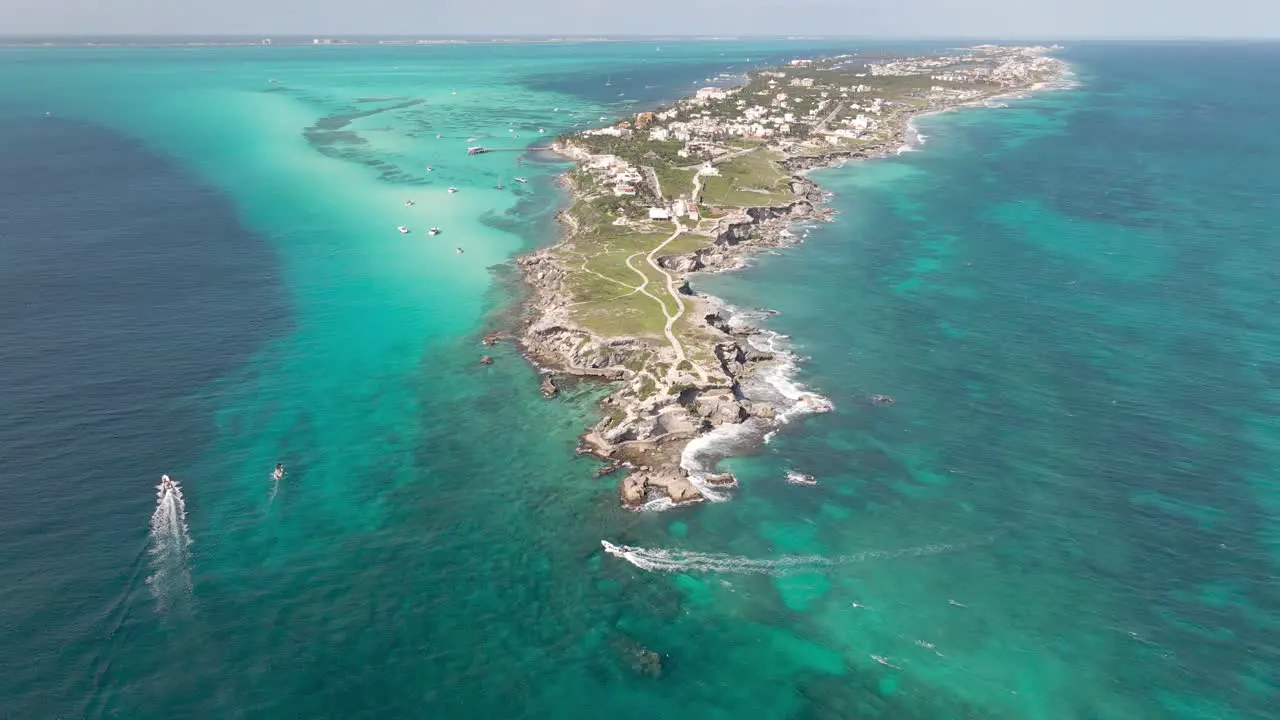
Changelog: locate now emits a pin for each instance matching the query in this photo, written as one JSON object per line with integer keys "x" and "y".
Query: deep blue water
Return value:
{"x": 126, "y": 285}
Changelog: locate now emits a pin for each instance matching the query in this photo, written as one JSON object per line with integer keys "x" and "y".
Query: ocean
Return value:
{"x": 1067, "y": 512}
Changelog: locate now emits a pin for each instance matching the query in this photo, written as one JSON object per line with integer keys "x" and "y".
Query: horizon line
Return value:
{"x": 302, "y": 35}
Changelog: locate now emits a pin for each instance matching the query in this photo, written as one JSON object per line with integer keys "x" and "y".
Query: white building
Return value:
{"x": 659, "y": 214}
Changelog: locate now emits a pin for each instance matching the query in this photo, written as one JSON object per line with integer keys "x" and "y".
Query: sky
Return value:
{"x": 996, "y": 19}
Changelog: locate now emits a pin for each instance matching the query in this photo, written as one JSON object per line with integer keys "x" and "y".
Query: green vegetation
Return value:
{"x": 628, "y": 315}
{"x": 598, "y": 278}
{"x": 636, "y": 149}
{"x": 747, "y": 180}
{"x": 647, "y": 388}
{"x": 676, "y": 182}
{"x": 685, "y": 244}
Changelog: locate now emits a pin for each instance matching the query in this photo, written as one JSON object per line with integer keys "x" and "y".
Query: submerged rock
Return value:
{"x": 486, "y": 360}
{"x": 639, "y": 659}
{"x": 549, "y": 388}
{"x": 609, "y": 468}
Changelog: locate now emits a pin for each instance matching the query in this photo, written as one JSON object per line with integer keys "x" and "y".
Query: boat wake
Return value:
{"x": 659, "y": 560}
{"x": 170, "y": 547}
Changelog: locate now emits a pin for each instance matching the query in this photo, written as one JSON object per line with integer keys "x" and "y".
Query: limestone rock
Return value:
{"x": 672, "y": 482}
{"x": 676, "y": 419}
{"x": 762, "y": 410}
{"x": 549, "y": 388}
{"x": 720, "y": 408}
{"x": 720, "y": 479}
{"x": 632, "y": 490}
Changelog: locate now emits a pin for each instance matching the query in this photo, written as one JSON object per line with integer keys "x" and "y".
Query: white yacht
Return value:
{"x": 403, "y": 230}
{"x": 434, "y": 231}
{"x": 520, "y": 180}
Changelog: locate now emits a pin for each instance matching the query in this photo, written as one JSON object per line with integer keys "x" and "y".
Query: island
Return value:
{"x": 695, "y": 187}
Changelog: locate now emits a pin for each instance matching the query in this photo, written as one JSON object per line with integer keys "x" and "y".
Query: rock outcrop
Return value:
{"x": 645, "y": 484}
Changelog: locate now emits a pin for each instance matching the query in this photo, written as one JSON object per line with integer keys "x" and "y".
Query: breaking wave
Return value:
{"x": 773, "y": 383}
{"x": 659, "y": 560}
{"x": 795, "y": 477}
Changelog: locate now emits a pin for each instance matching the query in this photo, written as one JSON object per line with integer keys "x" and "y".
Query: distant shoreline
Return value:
{"x": 160, "y": 41}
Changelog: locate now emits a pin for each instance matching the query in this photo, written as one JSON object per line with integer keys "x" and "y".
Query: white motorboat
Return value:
{"x": 520, "y": 180}
{"x": 453, "y": 189}
{"x": 434, "y": 231}
{"x": 403, "y": 230}
{"x": 459, "y": 250}
{"x": 408, "y": 203}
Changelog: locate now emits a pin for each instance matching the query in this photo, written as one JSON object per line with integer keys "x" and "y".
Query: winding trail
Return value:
{"x": 643, "y": 287}
{"x": 672, "y": 318}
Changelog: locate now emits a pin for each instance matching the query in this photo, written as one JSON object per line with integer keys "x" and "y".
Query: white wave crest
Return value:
{"x": 793, "y": 399}
{"x": 676, "y": 560}
{"x": 795, "y": 477}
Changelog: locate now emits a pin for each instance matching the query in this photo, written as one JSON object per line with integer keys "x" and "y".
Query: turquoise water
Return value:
{"x": 1066, "y": 514}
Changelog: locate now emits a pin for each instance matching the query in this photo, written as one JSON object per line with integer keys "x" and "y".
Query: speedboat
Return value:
{"x": 453, "y": 189}
{"x": 459, "y": 250}
{"x": 520, "y": 180}
{"x": 542, "y": 130}
{"x": 408, "y": 203}
{"x": 403, "y": 230}
{"x": 165, "y": 485}
{"x": 429, "y": 168}
{"x": 434, "y": 231}
{"x": 277, "y": 473}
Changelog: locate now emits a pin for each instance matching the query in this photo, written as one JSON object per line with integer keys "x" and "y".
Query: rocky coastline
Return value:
{"x": 650, "y": 419}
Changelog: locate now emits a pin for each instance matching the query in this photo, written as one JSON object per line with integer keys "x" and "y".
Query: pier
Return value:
{"x": 483, "y": 150}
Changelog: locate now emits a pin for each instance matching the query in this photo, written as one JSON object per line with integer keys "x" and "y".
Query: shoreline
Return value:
{"x": 670, "y": 445}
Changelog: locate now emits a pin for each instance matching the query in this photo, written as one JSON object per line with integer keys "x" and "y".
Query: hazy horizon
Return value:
{"x": 863, "y": 19}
